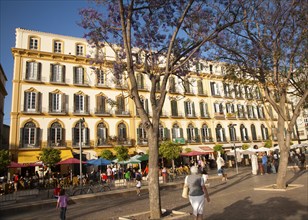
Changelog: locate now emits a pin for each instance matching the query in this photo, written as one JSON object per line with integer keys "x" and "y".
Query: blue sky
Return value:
{"x": 57, "y": 16}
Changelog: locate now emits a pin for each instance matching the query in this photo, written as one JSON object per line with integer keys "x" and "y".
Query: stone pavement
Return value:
{"x": 244, "y": 196}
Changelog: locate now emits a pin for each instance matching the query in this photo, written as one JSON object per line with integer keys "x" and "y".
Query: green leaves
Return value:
{"x": 4, "y": 160}
{"x": 50, "y": 156}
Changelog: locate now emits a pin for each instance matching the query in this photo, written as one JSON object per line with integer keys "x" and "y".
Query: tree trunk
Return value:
{"x": 154, "y": 192}
{"x": 284, "y": 143}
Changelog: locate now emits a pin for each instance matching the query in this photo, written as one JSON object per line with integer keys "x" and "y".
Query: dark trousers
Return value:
{"x": 63, "y": 213}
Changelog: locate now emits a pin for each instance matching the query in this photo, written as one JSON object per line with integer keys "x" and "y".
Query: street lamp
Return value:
{"x": 81, "y": 121}
{"x": 232, "y": 126}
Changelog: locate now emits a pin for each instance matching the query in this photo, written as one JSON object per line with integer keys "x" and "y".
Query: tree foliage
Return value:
{"x": 4, "y": 160}
{"x": 159, "y": 39}
{"x": 107, "y": 154}
{"x": 268, "y": 49}
{"x": 122, "y": 153}
{"x": 170, "y": 150}
{"x": 50, "y": 156}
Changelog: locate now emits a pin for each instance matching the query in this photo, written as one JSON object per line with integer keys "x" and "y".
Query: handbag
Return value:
{"x": 185, "y": 192}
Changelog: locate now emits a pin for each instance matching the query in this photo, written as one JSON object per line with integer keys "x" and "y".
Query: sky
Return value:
{"x": 57, "y": 17}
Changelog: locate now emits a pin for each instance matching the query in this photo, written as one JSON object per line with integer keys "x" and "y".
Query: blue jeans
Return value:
{"x": 264, "y": 168}
{"x": 63, "y": 213}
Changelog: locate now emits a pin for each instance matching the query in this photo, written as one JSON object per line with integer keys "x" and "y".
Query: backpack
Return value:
{"x": 138, "y": 177}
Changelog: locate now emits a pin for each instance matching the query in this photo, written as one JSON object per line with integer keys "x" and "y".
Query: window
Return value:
{"x": 145, "y": 105}
{"x": 32, "y": 101}
{"x": 264, "y": 132}
{"x": 57, "y": 102}
{"x": 121, "y": 106}
{"x": 250, "y": 111}
{"x": 215, "y": 89}
{"x": 79, "y": 50}
{"x": 206, "y": 133}
{"x": 200, "y": 87}
{"x": 57, "y": 47}
{"x": 238, "y": 91}
{"x": 164, "y": 133}
{"x": 141, "y": 135}
{"x": 56, "y": 134}
{"x": 232, "y": 133}
{"x": 172, "y": 87}
{"x": 220, "y": 134}
{"x": 227, "y": 90}
{"x": 102, "y": 134}
{"x": 244, "y": 133}
{"x": 78, "y": 75}
{"x": 30, "y": 135}
{"x": 80, "y": 135}
{"x": 33, "y": 71}
{"x": 230, "y": 108}
{"x": 240, "y": 111}
{"x": 57, "y": 73}
{"x": 258, "y": 93}
{"x": 274, "y": 133}
{"x": 211, "y": 69}
{"x": 140, "y": 81}
{"x": 177, "y": 132}
{"x": 192, "y": 134}
{"x": 218, "y": 108}
{"x": 253, "y": 132}
{"x": 101, "y": 104}
{"x": 33, "y": 45}
{"x": 189, "y": 109}
{"x": 174, "y": 108}
{"x": 122, "y": 133}
{"x": 248, "y": 93}
{"x": 187, "y": 87}
{"x": 81, "y": 103}
{"x": 260, "y": 111}
{"x": 204, "y": 112}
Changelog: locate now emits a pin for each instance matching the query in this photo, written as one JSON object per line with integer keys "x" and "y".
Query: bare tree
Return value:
{"x": 166, "y": 35}
{"x": 269, "y": 49}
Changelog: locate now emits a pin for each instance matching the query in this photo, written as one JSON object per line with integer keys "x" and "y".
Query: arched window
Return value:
{"x": 192, "y": 134}
{"x": 220, "y": 133}
{"x": 264, "y": 132}
{"x": 56, "y": 135}
{"x": 244, "y": 133}
{"x": 177, "y": 132}
{"x": 206, "y": 133}
{"x": 253, "y": 132}
{"x": 30, "y": 135}
{"x": 232, "y": 133}
{"x": 80, "y": 135}
{"x": 122, "y": 132}
{"x": 141, "y": 134}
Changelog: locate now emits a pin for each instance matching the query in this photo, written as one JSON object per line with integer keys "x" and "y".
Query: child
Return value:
{"x": 62, "y": 203}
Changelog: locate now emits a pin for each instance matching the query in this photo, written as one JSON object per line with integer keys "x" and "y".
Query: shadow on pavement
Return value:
{"x": 274, "y": 208}
{"x": 296, "y": 176}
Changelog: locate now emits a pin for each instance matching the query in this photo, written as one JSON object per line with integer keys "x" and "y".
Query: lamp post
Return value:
{"x": 232, "y": 126}
{"x": 81, "y": 121}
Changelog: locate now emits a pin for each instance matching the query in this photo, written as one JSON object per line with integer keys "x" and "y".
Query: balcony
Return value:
{"x": 122, "y": 113}
{"x": 102, "y": 112}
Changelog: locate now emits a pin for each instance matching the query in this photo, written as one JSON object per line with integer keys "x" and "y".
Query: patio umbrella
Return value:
{"x": 15, "y": 165}
{"x": 71, "y": 161}
{"x": 143, "y": 157}
{"x": 99, "y": 162}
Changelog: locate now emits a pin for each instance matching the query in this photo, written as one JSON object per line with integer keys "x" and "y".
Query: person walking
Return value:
{"x": 264, "y": 162}
{"x": 197, "y": 192}
{"x": 62, "y": 204}
{"x": 220, "y": 167}
{"x": 254, "y": 164}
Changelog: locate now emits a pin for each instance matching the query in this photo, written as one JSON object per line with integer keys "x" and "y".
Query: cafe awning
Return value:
{"x": 28, "y": 156}
{"x": 66, "y": 154}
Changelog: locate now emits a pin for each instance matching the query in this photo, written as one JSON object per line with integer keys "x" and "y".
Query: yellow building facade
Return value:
{"x": 55, "y": 88}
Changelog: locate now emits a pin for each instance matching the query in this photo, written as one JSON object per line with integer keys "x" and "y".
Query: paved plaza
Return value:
{"x": 244, "y": 196}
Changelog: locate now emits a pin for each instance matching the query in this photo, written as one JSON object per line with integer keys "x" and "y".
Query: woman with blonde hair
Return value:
{"x": 197, "y": 192}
